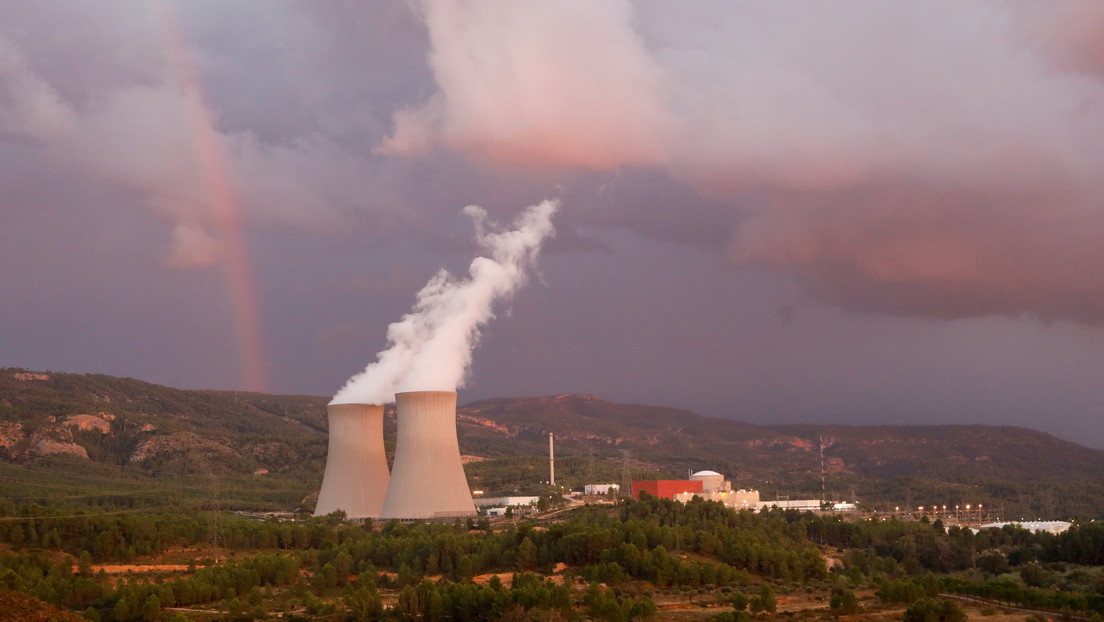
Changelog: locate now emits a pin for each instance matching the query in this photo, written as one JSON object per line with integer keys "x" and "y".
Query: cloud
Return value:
{"x": 156, "y": 125}
{"x": 962, "y": 132}
{"x": 556, "y": 84}
{"x": 891, "y": 250}
{"x": 193, "y": 246}
{"x": 29, "y": 106}
{"x": 938, "y": 159}
{"x": 1072, "y": 35}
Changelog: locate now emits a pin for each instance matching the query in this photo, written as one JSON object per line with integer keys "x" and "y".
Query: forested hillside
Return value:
{"x": 635, "y": 560}
{"x": 102, "y": 440}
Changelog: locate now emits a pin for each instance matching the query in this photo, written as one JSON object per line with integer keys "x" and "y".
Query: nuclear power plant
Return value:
{"x": 356, "y": 475}
{"x": 427, "y": 480}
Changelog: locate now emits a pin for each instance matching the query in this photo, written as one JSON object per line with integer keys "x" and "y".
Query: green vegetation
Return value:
{"x": 153, "y": 446}
{"x": 165, "y": 467}
{"x": 928, "y": 610}
{"x": 610, "y": 563}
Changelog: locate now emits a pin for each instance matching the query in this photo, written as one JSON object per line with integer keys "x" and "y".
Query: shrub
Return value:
{"x": 928, "y": 610}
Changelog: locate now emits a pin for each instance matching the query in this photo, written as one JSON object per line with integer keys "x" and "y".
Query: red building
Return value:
{"x": 665, "y": 488}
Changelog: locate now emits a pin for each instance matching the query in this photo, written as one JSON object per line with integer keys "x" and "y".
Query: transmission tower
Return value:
{"x": 626, "y": 482}
{"x": 214, "y": 488}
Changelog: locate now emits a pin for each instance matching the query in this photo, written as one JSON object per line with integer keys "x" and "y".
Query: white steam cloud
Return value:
{"x": 431, "y": 347}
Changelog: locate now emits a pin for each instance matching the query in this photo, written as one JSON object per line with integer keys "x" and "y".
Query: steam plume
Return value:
{"x": 430, "y": 347}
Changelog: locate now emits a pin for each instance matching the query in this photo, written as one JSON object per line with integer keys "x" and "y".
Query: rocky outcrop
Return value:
{"x": 91, "y": 422}
{"x": 182, "y": 443}
{"x": 29, "y": 376}
{"x": 11, "y": 433}
{"x": 54, "y": 441}
{"x": 487, "y": 423}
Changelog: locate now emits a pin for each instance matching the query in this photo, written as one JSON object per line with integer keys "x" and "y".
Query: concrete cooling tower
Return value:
{"x": 427, "y": 480}
{"x": 356, "y": 466}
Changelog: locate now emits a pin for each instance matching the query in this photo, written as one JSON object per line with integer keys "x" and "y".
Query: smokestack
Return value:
{"x": 428, "y": 478}
{"x": 356, "y": 475}
{"x": 551, "y": 461}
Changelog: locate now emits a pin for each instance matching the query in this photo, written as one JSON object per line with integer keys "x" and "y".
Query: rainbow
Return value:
{"x": 222, "y": 201}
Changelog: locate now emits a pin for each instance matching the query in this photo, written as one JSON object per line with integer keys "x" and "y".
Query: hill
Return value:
{"x": 130, "y": 440}
{"x": 1026, "y": 472}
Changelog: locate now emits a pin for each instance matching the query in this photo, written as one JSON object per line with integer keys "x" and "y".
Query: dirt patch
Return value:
{"x": 507, "y": 578}
{"x": 121, "y": 568}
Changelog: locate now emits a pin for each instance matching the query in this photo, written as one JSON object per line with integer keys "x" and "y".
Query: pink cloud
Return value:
{"x": 556, "y": 84}
{"x": 937, "y": 158}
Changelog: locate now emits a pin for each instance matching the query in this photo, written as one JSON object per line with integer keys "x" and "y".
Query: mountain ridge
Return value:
{"x": 138, "y": 425}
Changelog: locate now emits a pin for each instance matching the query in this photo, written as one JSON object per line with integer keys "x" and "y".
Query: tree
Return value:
{"x": 928, "y": 610}
{"x": 334, "y": 518}
{"x": 526, "y": 554}
{"x": 151, "y": 610}
{"x": 84, "y": 564}
{"x": 409, "y": 604}
{"x": 1035, "y": 575}
{"x": 365, "y": 604}
{"x": 764, "y": 600}
{"x": 122, "y": 609}
{"x": 993, "y": 562}
{"x": 843, "y": 602}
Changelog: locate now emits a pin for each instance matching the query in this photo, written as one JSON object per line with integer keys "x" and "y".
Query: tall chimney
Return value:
{"x": 356, "y": 475}
{"x": 551, "y": 461}
{"x": 428, "y": 478}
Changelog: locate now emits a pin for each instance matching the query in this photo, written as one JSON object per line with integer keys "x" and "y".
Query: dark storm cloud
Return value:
{"x": 939, "y": 252}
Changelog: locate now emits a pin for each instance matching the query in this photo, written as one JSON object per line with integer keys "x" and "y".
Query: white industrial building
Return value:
{"x": 807, "y": 505}
{"x": 600, "y": 489}
{"x": 1049, "y": 526}
{"x": 716, "y": 488}
{"x": 738, "y": 499}
{"x": 505, "y": 501}
{"x": 712, "y": 481}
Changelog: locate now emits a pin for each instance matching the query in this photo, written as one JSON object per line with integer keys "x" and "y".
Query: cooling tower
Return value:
{"x": 428, "y": 479}
{"x": 356, "y": 466}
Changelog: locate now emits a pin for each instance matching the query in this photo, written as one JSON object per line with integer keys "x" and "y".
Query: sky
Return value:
{"x": 871, "y": 213}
